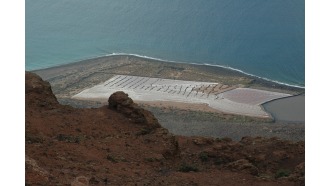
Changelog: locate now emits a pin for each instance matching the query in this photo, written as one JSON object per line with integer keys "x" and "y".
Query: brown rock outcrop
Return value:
{"x": 243, "y": 165}
{"x": 32, "y": 169}
{"x": 298, "y": 175}
{"x": 120, "y": 102}
{"x": 80, "y": 181}
{"x": 38, "y": 92}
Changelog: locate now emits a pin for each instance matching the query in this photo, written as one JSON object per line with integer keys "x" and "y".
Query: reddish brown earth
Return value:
{"x": 123, "y": 144}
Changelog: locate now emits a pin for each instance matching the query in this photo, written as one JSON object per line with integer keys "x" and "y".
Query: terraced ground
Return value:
{"x": 224, "y": 98}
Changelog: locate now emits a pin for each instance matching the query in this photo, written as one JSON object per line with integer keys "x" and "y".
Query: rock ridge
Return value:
{"x": 120, "y": 102}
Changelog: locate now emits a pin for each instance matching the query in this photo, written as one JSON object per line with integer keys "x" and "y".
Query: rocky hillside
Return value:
{"x": 123, "y": 144}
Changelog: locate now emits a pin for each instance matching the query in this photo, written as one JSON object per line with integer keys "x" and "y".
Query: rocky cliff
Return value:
{"x": 123, "y": 144}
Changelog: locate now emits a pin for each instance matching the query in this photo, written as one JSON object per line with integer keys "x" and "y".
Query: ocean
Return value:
{"x": 265, "y": 38}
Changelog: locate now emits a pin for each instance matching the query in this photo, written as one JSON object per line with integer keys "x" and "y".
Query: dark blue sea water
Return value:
{"x": 265, "y": 38}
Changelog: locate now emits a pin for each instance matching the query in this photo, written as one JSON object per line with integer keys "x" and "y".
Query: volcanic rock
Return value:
{"x": 120, "y": 102}
{"x": 243, "y": 165}
{"x": 38, "y": 92}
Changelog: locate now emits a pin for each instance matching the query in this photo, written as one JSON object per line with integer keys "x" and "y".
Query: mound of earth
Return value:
{"x": 123, "y": 144}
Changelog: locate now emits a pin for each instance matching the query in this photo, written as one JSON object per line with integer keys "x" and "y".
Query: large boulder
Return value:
{"x": 38, "y": 92}
{"x": 120, "y": 102}
{"x": 243, "y": 165}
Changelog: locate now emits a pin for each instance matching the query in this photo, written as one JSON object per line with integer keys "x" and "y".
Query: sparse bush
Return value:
{"x": 224, "y": 139}
{"x": 282, "y": 173}
{"x": 69, "y": 139}
{"x": 144, "y": 131}
{"x": 149, "y": 159}
{"x": 203, "y": 157}
{"x": 111, "y": 158}
{"x": 33, "y": 139}
{"x": 218, "y": 161}
{"x": 187, "y": 168}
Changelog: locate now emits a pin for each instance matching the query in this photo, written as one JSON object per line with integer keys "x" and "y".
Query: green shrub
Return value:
{"x": 68, "y": 138}
{"x": 187, "y": 168}
{"x": 144, "y": 131}
{"x": 111, "y": 158}
{"x": 218, "y": 161}
{"x": 224, "y": 139}
{"x": 30, "y": 138}
{"x": 149, "y": 159}
{"x": 203, "y": 157}
{"x": 282, "y": 173}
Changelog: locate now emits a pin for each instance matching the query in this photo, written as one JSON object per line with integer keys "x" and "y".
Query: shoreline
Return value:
{"x": 206, "y": 64}
{"x": 70, "y": 79}
{"x": 168, "y": 61}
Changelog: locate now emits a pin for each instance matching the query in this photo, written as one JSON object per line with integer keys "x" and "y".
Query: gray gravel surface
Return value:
{"x": 192, "y": 123}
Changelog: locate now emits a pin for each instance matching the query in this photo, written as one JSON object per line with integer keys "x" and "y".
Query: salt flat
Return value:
{"x": 229, "y": 99}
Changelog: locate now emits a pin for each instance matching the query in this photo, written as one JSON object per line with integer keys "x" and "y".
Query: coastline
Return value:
{"x": 205, "y": 64}
{"x": 168, "y": 61}
{"x": 70, "y": 79}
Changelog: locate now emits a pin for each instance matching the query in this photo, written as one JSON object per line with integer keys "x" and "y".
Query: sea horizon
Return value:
{"x": 258, "y": 38}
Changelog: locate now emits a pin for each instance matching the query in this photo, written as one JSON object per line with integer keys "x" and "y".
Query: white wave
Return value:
{"x": 164, "y": 60}
{"x": 226, "y": 67}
